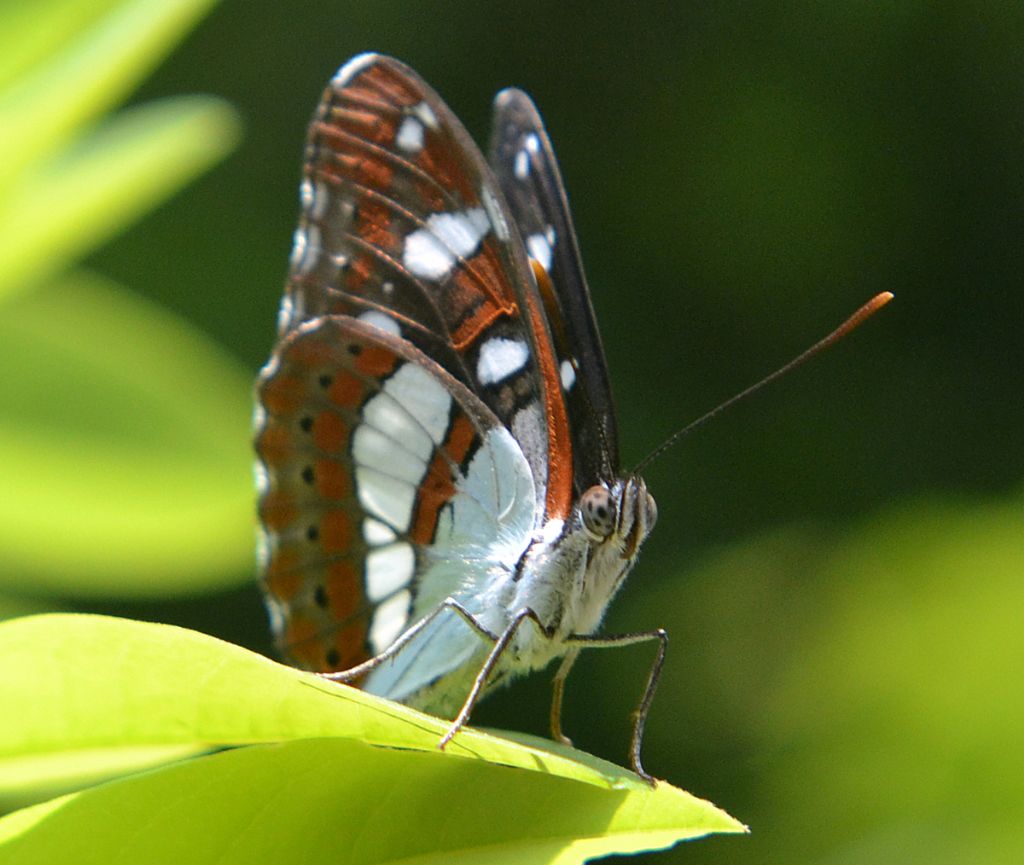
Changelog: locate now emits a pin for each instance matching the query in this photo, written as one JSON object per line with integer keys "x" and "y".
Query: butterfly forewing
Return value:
{"x": 404, "y": 226}
{"x": 524, "y": 163}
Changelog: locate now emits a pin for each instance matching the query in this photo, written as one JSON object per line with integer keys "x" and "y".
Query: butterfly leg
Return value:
{"x": 500, "y": 645}
{"x": 397, "y": 646}
{"x": 640, "y": 715}
{"x": 557, "y": 692}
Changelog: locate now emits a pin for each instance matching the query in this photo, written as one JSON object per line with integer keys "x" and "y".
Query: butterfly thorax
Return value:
{"x": 573, "y": 569}
{"x": 567, "y": 577}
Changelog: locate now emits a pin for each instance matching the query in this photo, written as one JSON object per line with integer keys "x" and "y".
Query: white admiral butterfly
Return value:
{"x": 441, "y": 497}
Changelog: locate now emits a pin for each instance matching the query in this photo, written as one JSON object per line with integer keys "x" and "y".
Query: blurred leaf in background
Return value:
{"x": 859, "y": 688}
{"x": 124, "y": 429}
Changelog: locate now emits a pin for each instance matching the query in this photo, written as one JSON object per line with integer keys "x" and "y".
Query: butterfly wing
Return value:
{"x": 387, "y": 486}
{"x": 413, "y": 432}
{"x": 524, "y": 163}
{"x": 404, "y": 225}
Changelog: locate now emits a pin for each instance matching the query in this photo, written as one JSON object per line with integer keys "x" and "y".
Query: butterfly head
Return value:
{"x": 619, "y": 515}
{"x": 614, "y": 518}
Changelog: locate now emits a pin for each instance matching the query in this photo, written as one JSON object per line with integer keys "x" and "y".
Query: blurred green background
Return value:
{"x": 838, "y": 562}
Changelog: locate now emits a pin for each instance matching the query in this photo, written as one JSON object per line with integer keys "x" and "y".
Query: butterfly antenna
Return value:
{"x": 855, "y": 320}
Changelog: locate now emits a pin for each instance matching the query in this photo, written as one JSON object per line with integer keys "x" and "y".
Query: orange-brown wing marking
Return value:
{"x": 317, "y": 501}
{"x": 380, "y": 195}
{"x": 438, "y": 485}
{"x": 314, "y": 557}
{"x": 559, "y": 488}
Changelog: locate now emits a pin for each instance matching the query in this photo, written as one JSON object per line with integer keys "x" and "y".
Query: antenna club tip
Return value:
{"x": 875, "y": 304}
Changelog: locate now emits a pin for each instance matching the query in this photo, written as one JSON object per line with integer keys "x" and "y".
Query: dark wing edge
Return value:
{"x": 523, "y": 160}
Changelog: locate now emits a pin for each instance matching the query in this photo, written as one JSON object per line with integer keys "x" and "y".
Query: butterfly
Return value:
{"x": 441, "y": 498}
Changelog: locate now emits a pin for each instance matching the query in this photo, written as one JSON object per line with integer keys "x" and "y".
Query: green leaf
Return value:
{"x": 93, "y": 683}
{"x": 89, "y": 685}
{"x": 124, "y": 442}
{"x": 62, "y": 208}
{"x": 33, "y": 32}
{"x": 332, "y": 800}
{"x": 83, "y": 77}
{"x": 37, "y": 778}
{"x": 12, "y": 607}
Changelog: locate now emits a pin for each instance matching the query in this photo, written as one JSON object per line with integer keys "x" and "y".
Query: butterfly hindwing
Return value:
{"x": 380, "y": 470}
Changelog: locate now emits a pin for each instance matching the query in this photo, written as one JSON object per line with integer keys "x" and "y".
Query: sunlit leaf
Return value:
{"x": 337, "y": 800}
{"x": 33, "y": 32}
{"x": 87, "y": 686}
{"x": 62, "y": 208}
{"x": 86, "y": 75}
{"x": 95, "y": 684}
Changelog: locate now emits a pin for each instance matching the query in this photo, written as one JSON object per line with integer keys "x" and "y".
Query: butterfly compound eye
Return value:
{"x": 599, "y": 512}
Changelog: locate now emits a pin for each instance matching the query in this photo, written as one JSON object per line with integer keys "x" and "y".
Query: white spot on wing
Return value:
{"x": 352, "y": 68}
{"x": 384, "y": 497}
{"x": 431, "y": 252}
{"x": 259, "y": 470}
{"x": 393, "y": 444}
{"x": 259, "y": 414}
{"x": 532, "y": 143}
{"x": 299, "y": 243}
{"x": 305, "y": 249}
{"x": 262, "y": 550}
{"x": 521, "y": 166}
{"x": 500, "y": 358}
{"x": 285, "y": 313}
{"x": 410, "y": 135}
{"x": 388, "y": 569}
{"x": 391, "y": 413}
{"x": 277, "y": 614}
{"x": 381, "y": 320}
{"x": 425, "y": 113}
{"x": 424, "y": 398}
{"x": 388, "y": 621}
{"x": 376, "y": 533}
{"x": 568, "y": 374}
{"x": 270, "y": 368}
{"x": 540, "y": 249}
{"x": 374, "y": 449}
{"x": 314, "y": 197}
